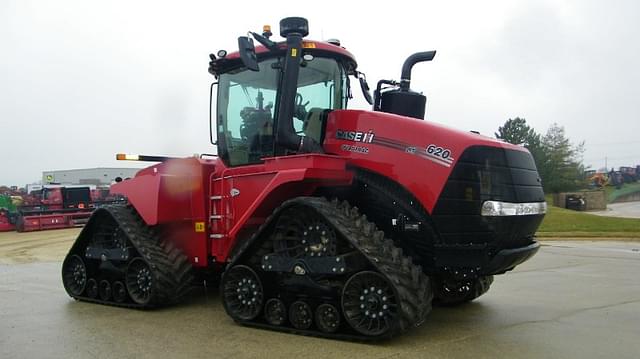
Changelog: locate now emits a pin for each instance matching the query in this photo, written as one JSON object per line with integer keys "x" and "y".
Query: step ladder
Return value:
{"x": 218, "y": 211}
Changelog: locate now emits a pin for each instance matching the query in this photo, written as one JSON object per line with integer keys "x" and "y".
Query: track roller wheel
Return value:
{"x": 327, "y": 318}
{"x": 370, "y": 303}
{"x": 92, "y": 288}
{"x": 119, "y": 292}
{"x": 275, "y": 312}
{"x": 301, "y": 233}
{"x": 300, "y": 315}
{"x": 242, "y": 293}
{"x": 74, "y": 275}
{"x": 139, "y": 281}
{"x": 104, "y": 290}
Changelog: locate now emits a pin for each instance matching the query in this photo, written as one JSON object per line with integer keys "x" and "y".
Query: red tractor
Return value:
{"x": 316, "y": 219}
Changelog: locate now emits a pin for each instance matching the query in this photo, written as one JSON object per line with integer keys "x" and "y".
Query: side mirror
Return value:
{"x": 248, "y": 53}
{"x": 365, "y": 88}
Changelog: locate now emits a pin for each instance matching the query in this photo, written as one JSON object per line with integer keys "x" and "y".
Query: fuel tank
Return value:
{"x": 172, "y": 196}
{"x": 170, "y": 190}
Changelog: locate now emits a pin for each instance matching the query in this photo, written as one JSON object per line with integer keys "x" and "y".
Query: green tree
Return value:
{"x": 562, "y": 168}
{"x": 517, "y": 131}
{"x": 559, "y": 162}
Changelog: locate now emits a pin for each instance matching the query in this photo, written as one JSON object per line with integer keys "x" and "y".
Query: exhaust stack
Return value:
{"x": 400, "y": 99}
{"x": 405, "y": 77}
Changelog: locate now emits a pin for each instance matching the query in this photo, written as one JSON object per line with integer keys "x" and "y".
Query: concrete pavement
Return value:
{"x": 572, "y": 300}
{"x": 622, "y": 210}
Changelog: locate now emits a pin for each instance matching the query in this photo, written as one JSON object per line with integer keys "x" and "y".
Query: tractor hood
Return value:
{"x": 418, "y": 154}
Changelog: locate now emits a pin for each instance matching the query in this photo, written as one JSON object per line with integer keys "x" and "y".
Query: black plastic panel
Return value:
{"x": 488, "y": 173}
{"x": 404, "y": 103}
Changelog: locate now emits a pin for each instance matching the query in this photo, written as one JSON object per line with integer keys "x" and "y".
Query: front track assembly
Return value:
{"x": 118, "y": 260}
{"x": 321, "y": 268}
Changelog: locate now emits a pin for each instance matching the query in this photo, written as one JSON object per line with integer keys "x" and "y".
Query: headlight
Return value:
{"x": 497, "y": 208}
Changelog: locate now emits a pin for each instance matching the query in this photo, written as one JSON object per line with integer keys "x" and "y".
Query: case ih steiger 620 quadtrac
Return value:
{"x": 320, "y": 220}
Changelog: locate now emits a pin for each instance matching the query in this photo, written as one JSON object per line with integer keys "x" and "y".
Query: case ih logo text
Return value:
{"x": 355, "y": 136}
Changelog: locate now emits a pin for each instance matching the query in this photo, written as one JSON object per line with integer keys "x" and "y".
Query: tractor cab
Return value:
{"x": 276, "y": 102}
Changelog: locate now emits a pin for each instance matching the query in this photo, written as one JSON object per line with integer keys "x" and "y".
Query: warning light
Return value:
{"x": 147, "y": 158}
{"x": 125, "y": 157}
{"x": 266, "y": 31}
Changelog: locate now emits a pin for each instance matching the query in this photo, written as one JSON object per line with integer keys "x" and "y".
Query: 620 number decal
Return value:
{"x": 439, "y": 152}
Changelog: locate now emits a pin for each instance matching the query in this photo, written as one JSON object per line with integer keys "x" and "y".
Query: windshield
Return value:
{"x": 247, "y": 103}
{"x": 321, "y": 83}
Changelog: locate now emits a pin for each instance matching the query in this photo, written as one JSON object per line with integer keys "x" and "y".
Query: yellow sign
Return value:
{"x": 294, "y": 52}
{"x": 49, "y": 178}
{"x": 199, "y": 226}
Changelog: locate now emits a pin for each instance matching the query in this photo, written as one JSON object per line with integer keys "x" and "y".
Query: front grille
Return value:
{"x": 488, "y": 173}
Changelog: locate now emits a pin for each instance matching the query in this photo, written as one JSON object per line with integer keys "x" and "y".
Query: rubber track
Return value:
{"x": 399, "y": 195}
{"x": 419, "y": 243}
{"x": 171, "y": 269}
{"x": 411, "y": 284}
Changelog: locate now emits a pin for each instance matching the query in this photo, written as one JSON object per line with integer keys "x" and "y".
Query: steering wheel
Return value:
{"x": 301, "y": 108}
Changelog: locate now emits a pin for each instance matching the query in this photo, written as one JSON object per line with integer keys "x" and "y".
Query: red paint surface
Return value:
{"x": 306, "y": 44}
{"x": 177, "y": 195}
{"x": 43, "y": 222}
{"x": 227, "y": 204}
{"x": 424, "y": 178}
{"x": 5, "y": 225}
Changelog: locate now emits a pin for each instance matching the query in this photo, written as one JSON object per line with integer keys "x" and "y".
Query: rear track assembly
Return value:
{"x": 118, "y": 260}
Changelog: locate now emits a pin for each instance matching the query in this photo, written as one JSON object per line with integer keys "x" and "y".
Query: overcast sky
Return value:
{"x": 83, "y": 80}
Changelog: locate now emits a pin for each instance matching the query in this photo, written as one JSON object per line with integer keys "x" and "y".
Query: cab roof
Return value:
{"x": 320, "y": 48}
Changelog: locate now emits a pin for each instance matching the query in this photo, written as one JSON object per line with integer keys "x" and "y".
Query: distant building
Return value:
{"x": 100, "y": 176}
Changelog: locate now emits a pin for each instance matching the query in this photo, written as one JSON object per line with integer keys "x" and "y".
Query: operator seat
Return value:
{"x": 261, "y": 143}
{"x": 314, "y": 124}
